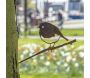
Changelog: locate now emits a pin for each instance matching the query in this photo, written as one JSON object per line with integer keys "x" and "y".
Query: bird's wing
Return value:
{"x": 57, "y": 31}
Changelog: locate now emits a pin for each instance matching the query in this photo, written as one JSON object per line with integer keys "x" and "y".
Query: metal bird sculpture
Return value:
{"x": 48, "y": 30}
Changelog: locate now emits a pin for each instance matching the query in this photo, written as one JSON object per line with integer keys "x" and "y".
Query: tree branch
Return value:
{"x": 50, "y": 48}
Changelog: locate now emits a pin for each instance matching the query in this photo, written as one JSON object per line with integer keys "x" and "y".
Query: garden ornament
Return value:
{"x": 48, "y": 30}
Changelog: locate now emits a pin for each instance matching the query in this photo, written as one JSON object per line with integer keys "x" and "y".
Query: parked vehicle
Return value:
{"x": 76, "y": 9}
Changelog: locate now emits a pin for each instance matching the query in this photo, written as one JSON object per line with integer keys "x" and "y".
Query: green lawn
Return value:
{"x": 23, "y": 41}
{"x": 48, "y": 75}
{"x": 66, "y": 32}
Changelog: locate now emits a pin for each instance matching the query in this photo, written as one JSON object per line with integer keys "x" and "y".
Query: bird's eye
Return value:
{"x": 42, "y": 26}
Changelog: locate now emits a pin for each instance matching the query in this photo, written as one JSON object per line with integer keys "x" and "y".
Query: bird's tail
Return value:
{"x": 65, "y": 38}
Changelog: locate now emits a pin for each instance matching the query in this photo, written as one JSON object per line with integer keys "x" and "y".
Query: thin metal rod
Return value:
{"x": 50, "y": 48}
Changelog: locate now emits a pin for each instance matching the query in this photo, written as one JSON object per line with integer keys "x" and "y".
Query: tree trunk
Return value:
{"x": 11, "y": 42}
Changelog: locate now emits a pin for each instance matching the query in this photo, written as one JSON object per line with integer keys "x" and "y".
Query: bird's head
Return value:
{"x": 42, "y": 26}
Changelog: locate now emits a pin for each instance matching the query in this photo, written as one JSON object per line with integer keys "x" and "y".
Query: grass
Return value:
{"x": 48, "y": 75}
{"x": 23, "y": 41}
{"x": 73, "y": 32}
{"x": 66, "y": 32}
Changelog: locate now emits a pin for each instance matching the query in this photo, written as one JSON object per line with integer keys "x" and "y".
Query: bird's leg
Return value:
{"x": 49, "y": 48}
{"x": 52, "y": 47}
{"x": 49, "y": 51}
{"x": 53, "y": 44}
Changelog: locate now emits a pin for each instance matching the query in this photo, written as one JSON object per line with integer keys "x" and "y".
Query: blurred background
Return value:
{"x": 65, "y": 62}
